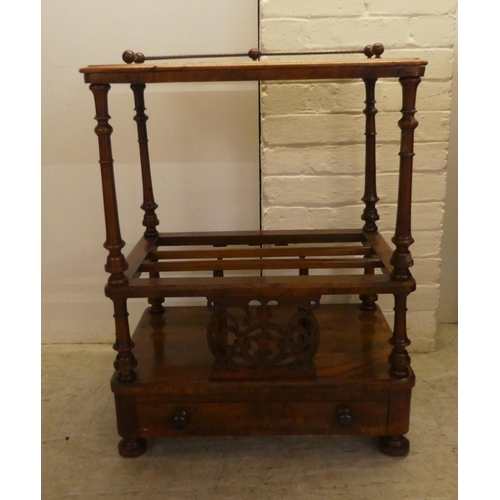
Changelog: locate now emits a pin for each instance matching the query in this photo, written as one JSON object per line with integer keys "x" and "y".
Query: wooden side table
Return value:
{"x": 265, "y": 357}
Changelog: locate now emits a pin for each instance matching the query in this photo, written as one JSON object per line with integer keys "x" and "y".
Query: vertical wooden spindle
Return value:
{"x": 125, "y": 361}
{"x": 218, "y": 273}
{"x": 156, "y": 302}
{"x": 370, "y": 198}
{"x": 399, "y": 358}
{"x": 150, "y": 220}
{"x": 305, "y": 271}
{"x": 116, "y": 263}
{"x": 369, "y": 301}
{"x": 401, "y": 258}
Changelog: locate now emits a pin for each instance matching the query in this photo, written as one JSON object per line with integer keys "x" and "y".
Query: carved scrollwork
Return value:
{"x": 251, "y": 338}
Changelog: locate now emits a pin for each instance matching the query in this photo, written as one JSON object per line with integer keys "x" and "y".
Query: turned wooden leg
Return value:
{"x": 149, "y": 205}
{"x": 399, "y": 358}
{"x": 132, "y": 445}
{"x": 125, "y": 361}
{"x": 116, "y": 263}
{"x": 150, "y": 220}
{"x": 370, "y": 198}
{"x": 395, "y": 446}
{"x": 401, "y": 258}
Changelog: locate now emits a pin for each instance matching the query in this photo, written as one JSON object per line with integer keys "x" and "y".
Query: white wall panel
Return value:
{"x": 204, "y": 141}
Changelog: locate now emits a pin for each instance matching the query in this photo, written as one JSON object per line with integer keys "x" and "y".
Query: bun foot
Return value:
{"x": 395, "y": 446}
{"x": 132, "y": 447}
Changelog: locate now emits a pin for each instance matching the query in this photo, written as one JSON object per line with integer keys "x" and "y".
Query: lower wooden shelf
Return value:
{"x": 352, "y": 394}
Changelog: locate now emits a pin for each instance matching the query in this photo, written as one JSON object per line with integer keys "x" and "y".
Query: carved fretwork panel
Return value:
{"x": 273, "y": 339}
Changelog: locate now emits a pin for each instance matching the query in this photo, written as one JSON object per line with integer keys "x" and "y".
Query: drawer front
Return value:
{"x": 271, "y": 418}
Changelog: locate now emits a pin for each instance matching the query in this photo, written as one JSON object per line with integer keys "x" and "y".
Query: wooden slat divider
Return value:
{"x": 234, "y": 253}
{"x": 261, "y": 237}
{"x": 138, "y": 254}
{"x": 226, "y": 265}
{"x": 382, "y": 249}
{"x": 267, "y": 286}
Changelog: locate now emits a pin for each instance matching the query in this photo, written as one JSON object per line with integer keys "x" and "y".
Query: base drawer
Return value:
{"x": 269, "y": 418}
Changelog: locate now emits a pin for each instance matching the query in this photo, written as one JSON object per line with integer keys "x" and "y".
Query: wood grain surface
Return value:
{"x": 248, "y": 71}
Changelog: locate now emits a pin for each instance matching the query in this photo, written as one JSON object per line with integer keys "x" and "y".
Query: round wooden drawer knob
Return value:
{"x": 344, "y": 417}
{"x": 179, "y": 420}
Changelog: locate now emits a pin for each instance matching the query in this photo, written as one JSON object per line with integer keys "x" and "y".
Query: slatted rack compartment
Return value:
{"x": 285, "y": 256}
{"x": 152, "y": 263}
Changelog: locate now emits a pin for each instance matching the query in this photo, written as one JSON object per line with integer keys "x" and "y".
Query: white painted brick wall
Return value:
{"x": 406, "y": 8}
{"x": 338, "y": 128}
{"x": 312, "y": 133}
{"x": 305, "y": 10}
{"x": 347, "y": 159}
{"x": 316, "y": 98}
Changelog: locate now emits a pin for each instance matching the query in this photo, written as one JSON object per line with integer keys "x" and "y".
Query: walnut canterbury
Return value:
{"x": 265, "y": 357}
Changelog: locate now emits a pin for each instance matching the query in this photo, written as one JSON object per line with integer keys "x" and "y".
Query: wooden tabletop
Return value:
{"x": 254, "y": 70}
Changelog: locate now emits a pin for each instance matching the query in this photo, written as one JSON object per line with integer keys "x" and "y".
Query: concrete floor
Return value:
{"x": 80, "y": 459}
